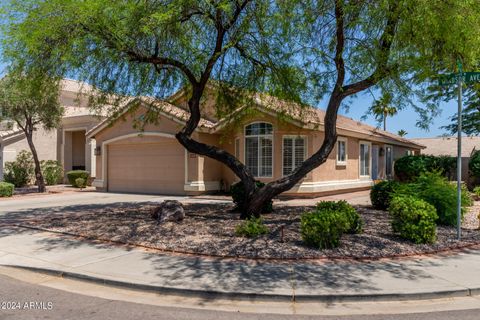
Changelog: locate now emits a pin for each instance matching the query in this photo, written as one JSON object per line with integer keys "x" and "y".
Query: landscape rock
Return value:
{"x": 168, "y": 210}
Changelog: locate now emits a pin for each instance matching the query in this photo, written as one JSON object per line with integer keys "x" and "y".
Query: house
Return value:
{"x": 271, "y": 141}
{"x": 68, "y": 144}
{"x": 447, "y": 146}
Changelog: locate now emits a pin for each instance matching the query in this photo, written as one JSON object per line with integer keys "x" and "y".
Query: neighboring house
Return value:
{"x": 447, "y": 146}
{"x": 68, "y": 144}
{"x": 271, "y": 142}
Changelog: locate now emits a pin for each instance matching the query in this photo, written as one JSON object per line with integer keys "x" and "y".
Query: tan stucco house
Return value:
{"x": 271, "y": 141}
{"x": 68, "y": 144}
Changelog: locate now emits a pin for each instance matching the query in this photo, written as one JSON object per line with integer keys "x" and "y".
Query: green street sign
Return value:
{"x": 469, "y": 77}
{"x": 452, "y": 78}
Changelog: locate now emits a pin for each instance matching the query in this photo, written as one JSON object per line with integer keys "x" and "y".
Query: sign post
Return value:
{"x": 459, "y": 78}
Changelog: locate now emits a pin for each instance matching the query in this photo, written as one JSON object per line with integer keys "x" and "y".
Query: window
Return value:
{"x": 341, "y": 151}
{"x": 388, "y": 161}
{"x": 409, "y": 152}
{"x": 259, "y": 149}
{"x": 364, "y": 159}
{"x": 294, "y": 153}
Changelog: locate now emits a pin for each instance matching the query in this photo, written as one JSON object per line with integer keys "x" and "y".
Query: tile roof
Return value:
{"x": 447, "y": 146}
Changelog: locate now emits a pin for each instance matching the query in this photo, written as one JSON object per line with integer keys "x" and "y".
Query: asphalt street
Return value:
{"x": 21, "y": 300}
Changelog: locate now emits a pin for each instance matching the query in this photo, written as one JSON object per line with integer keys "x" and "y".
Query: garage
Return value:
{"x": 153, "y": 167}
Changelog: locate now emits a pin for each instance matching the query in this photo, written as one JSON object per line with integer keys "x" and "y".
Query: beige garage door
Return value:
{"x": 147, "y": 167}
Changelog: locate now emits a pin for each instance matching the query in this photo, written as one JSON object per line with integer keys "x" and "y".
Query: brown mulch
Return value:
{"x": 210, "y": 229}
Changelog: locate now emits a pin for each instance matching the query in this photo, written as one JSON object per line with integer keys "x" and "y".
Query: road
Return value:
{"x": 59, "y": 304}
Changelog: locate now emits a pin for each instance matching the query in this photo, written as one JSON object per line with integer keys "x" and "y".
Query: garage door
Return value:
{"x": 147, "y": 167}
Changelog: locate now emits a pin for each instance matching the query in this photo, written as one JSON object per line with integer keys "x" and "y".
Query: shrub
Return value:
{"x": 413, "y": 219}
{"x": 21, "y": 171}
{"x": 474, "y": 164}
{"x": 251, "y": 228}
{"x": 409, "y": 168}
{"x": 80, "y": 183}
{"x": 237, "y": 191}
{"x": 6, "y": 189}
{"x": 382, "y": 192}
{"x": 342, "y": 207}
{"x": 437, "y": 191}
{"x": 75, "y": 174}
{"x": 476, "y": 191}
{"x": 52, "y": 171}
{"x": 322, "y": 228}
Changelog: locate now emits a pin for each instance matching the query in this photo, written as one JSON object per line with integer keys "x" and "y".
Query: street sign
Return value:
{"x": 452, "y": 78}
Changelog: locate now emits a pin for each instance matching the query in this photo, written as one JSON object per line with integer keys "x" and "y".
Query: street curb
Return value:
{"x": 253, "y": 296}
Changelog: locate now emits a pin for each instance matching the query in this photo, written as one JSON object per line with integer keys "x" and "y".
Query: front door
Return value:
{"x": 374, "y": 162}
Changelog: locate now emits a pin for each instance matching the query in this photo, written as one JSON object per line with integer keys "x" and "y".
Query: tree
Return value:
{"x": 341, "y": 48}
{"x": 383, "y": 108}
{"x": 470, "y": 113}
{"x": 31, "y": 101}
{"x": 402, "y": 133}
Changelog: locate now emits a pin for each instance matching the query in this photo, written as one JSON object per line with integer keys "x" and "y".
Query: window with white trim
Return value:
{"x": 294, "y": 153}
{"x": 364, "y": 159}
{"x": 341, "y": 151}
{"x": 259, "y": 149}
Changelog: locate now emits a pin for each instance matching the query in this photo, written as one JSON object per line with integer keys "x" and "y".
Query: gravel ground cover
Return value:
{"x": 209, "y": 229}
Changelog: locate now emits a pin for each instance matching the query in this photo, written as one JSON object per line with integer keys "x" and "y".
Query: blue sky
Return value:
{"x": 405, "y": 119}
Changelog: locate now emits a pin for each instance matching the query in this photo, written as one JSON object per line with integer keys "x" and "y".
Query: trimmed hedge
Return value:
{"x": 322, "y": 228}
{"x": 413, "y": 219}
{"x": 75, "y": 174}
{"x": 343, "y": 207}
{"x": 6, "y": 189}
{"x": 409, "y": 168}
{"x": 237, "y": 191}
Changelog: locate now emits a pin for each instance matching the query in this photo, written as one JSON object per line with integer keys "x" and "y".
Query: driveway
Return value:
{"x": 86, "y": 198}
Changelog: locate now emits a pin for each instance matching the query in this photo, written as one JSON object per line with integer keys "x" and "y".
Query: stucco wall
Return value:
{"x": 45, "y": 142}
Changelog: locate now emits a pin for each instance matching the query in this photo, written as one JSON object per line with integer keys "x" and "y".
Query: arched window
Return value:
{"x": 259, "y": 149}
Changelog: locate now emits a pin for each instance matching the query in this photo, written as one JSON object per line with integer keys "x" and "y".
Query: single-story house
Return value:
{"x": 447, "y": 146}
{"x": 68, "y": 144}
{"x": 271, "y": 141}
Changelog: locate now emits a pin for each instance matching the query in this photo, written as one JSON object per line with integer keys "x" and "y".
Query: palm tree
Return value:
{"x": 382, "y": 108}
{"x": 402, "y": 133}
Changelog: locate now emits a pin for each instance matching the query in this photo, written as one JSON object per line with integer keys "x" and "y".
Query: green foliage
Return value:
{"x": 437, "y": 191}
{"x": 474, "y": 164}
{"x": 382, "y": 193}
{"x": 52, "y": 171}
{"x": 21, "y": 171}
{"x": 237, "y": 191}
{"x": 355, "y": 222}
{"x": 75, "y": 174}
{"x": 251, "y": 228}
{"x": 409, "y": 168}
{"x": 476, "y": 191}
{"x": 80, "y": 183}
{"x": 6, "y": 189}
{"x": 414, "y": 219}
{"x": 322, "y": 228}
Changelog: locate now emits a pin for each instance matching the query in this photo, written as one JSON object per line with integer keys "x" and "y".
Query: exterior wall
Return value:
{"x": 43, "y": 140}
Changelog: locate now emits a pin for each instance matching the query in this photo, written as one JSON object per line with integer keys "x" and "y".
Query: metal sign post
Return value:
{"x": 459, "y": 155}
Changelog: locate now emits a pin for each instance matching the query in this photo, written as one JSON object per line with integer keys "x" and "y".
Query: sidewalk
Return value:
{"x": 416, "y": 278}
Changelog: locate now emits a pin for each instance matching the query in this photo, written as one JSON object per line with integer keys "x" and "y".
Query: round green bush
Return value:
{"x": 237, "y": 191}
{"x": 75, "y": 174}
{"x": 354, "y": 221}
{"x": 6, "y": 189}
{"x": 413, "y": 219}
{"x": 322, "y": 228}
{"x": 80, "y": 183}
{"x": 381, "y": 194}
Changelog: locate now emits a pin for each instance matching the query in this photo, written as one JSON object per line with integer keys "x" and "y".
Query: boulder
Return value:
{"x": 168, "y": 210}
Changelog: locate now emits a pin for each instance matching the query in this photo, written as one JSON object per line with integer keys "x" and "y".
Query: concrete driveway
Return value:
{"x": 86, "y": 198}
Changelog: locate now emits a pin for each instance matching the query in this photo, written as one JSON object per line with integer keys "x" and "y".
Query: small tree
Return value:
{"x": 31, "y": 101}
{"x": 402, "y": 133}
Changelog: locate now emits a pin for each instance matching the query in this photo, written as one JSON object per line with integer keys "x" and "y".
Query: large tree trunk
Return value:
{"x": 39, "y": 180}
